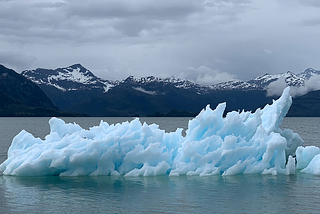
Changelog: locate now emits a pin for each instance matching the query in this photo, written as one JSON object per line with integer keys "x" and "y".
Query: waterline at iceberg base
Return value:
{"x": 240, "y": 143}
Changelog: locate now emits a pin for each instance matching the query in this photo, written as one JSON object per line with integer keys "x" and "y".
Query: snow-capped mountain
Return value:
{"x": 74, "y": 77}
{"x": 262, "y": 82}
{"x": 308, "y": 73}
{"x": 152, "y": 82}
{"x": 289, "y": 78}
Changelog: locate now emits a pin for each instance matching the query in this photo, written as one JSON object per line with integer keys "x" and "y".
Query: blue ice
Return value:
{"x": 240, "y": 143}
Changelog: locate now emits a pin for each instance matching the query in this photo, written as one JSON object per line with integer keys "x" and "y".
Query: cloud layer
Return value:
{"x": 206, "y": 41}
{"x": 276, "y": 88}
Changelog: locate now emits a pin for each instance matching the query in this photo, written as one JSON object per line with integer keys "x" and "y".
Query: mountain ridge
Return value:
{"x": 77, "y": 77}
{"x": 75, "y": 88}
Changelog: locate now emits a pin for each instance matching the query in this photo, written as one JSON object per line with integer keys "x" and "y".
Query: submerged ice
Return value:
{"x": 238, "y": 143}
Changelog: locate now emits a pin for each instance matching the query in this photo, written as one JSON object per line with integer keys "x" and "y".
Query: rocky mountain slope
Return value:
{"x": 21, "y": 97}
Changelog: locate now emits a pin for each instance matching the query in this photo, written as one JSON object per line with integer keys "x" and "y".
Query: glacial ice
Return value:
{"x": 240, "y": 143}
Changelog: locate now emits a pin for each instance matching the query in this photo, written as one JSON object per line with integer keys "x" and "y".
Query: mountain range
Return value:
{"x": 76, "y": 77}
{"x": 76, "y": 89}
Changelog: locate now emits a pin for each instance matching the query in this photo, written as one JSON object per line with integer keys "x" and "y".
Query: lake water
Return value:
{"x": 299, "y": 193}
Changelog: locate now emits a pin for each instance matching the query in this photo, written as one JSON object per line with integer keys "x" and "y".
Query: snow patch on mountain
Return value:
{"x": 73, "y": 75}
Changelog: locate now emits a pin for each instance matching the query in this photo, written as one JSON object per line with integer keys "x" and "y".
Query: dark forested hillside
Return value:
{"x": 21, "y": 97}
{"x": 124, "y": 101}
{"x": 307, "y": 105}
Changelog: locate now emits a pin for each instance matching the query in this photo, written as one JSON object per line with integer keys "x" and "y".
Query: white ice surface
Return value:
{"x": 240, "y": 143}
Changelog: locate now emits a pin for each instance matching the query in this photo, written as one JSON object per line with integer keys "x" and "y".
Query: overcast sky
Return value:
{"x": 202, "y": 41}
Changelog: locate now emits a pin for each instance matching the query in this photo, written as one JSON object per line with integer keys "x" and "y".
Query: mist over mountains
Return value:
{"x": 76, "y": 89}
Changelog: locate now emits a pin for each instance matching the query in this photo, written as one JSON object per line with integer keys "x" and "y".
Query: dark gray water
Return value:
{"x": 298, "y": 193}
{"x": 186, "y": 194}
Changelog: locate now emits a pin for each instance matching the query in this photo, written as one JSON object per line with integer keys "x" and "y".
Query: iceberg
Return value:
{"x": 239, "y": 143}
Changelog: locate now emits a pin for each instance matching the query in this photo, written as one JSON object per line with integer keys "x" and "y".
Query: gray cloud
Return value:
{"x": 216, "y": 39}
{"x": 311, "y": 22}
{"x": 73, "y": 20}
{"x": 276, "y": 88}
{"x": 140, "y": 8}
{"x": 206, "y": 76}
{"x": 16, "y": 61}
{"x": 312, "y": 3}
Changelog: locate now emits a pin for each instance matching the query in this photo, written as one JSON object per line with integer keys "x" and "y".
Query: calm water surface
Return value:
{"x": 298, "y": 193}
